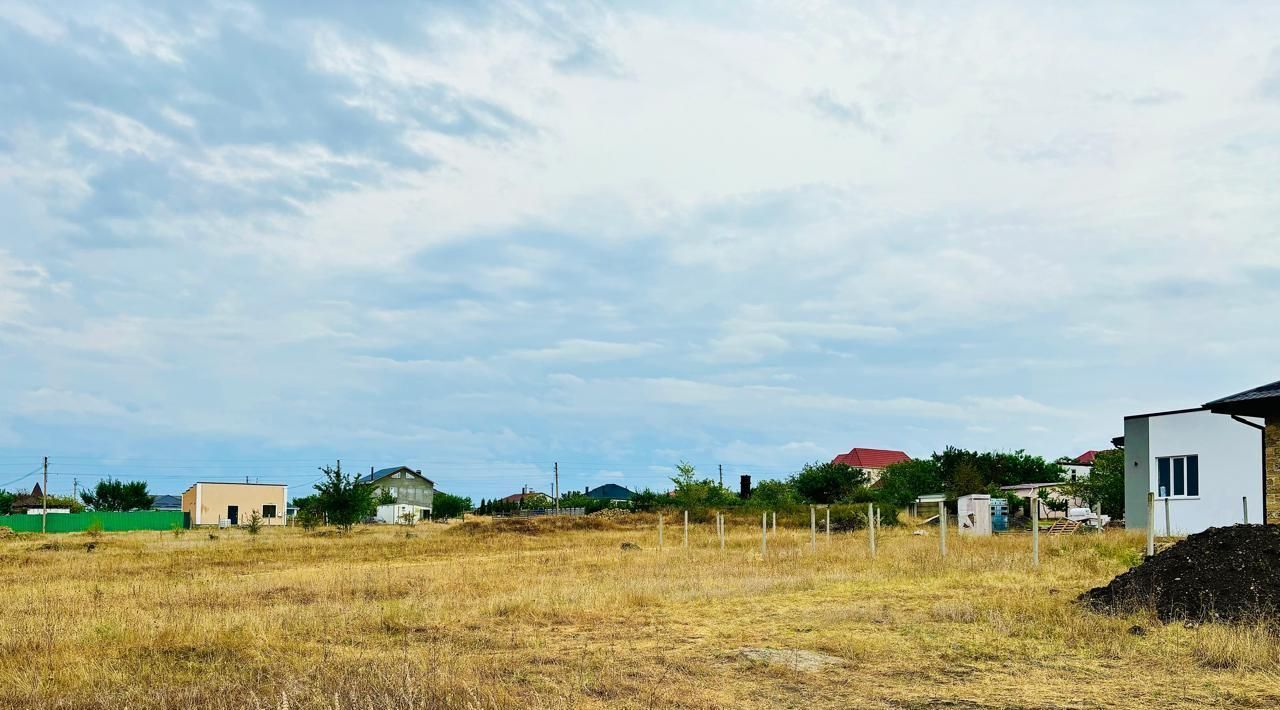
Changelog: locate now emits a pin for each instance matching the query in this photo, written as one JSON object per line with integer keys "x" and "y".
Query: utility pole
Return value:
{"x": 557, "y": 465}
{"x": 721, "y": 475}
{"x": 44, "y": 499}
{"x": 75, "y": 490}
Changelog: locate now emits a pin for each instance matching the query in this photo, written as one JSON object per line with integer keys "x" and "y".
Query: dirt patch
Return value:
{"x": 795, "y": 659}
{"x": 1222, "y": 574}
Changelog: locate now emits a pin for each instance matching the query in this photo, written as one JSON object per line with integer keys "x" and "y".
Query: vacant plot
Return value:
{"x": 536, "y": 616}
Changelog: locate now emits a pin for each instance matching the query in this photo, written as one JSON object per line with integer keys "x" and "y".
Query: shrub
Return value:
{"x": 827, "y": 482}
{"x": 95, "y": 528}
{"x": 254, "y": 525}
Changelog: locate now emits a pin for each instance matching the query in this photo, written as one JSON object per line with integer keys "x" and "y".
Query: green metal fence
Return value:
{"x": 79, "y": 522}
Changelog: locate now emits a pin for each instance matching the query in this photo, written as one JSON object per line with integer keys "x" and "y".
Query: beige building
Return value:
{"x": 211, "y": 503}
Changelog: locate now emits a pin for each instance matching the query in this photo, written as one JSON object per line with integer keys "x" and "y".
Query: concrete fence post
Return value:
{"x": 659, "y": 531}
{"x": 942, "y": 526}
{"x": 871, "y": 529}
{"x": 1244, "y": 501}
{"x": 1035, "y": 532}
{"x": 1151, "y": 524}
{"x": 764, "y": 535}
{"x": 828, "y": 525}
{"x": 775, "y": 522}
{"x": 1168, "y": 527}
{"x": 686, "y": 529}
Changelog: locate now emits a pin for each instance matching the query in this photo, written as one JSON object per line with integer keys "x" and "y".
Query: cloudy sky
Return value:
{"x": 242, "y": 239}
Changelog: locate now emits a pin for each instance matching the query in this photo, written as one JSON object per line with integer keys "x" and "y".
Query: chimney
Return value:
{"x": 744, "y": 489}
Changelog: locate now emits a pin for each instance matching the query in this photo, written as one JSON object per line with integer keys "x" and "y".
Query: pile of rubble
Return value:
{"x": 1221, "y": 574}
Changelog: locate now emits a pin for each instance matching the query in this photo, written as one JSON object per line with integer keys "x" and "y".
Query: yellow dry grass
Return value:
{"x": 477, "y": 616}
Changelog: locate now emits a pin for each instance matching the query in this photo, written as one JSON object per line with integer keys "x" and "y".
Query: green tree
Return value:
{"x": 968, "y": 479}
{"x": 344, "y": 499}
{"x": 445, "y": 505}
{"x": 1104, "y": 484}
{"x": 827, "y": 482}
{"x": 902, "y": 483}
{"x": 112, "y": 495}
{"x": 6, "y": 502}
{"x": 774, "y": 495}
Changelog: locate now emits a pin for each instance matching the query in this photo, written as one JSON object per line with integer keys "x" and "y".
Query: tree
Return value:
{"x": 1104, "y": 484}
{"x": 968, "y": 479}
{"x": 774, "y": 495}
{"x": 692, "y": 494}
{"x": 344, "y": 499}
{"x": 902, "y": 483}
{"x": 445, "y": 505}
{"x": 827, "y": 482}
{"x": 112, "y": 495}
{"x": 6, "y": 502}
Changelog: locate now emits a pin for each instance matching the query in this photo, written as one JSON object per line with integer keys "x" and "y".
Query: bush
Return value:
{"x": 95, "y": 528}
{"x": 254, "y": 525}
{"x": 827, "y": 482}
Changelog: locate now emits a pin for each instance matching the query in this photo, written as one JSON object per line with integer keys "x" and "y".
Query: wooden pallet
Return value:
{"x": 1063, "y": 527}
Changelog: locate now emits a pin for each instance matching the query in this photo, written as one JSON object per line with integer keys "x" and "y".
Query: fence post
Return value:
{"x": 942, "y": 526}
{"x": 1151, "y": 524}
{"x": 764, "y": 535}
{"x": 1244, "y": 500}
{"x": 1168, "y": 530}
{"x": 1035, "y": 532}
{"x": 686, "y": 529}
{"x": 813, "y": 528}
{"x": 871, "y": 530}
{"x": 774, "y": 515}
{"x": 828, "y": 525}
{"x": 720, "y": 523}
{"x": 659, "y": 531}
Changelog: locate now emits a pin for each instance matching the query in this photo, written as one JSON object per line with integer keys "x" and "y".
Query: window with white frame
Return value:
{"x": 1178, "y": 476}
{"x": 268, "y": 511}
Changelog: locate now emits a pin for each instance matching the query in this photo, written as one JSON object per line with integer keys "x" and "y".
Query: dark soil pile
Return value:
{"x": 1221, "y": 574}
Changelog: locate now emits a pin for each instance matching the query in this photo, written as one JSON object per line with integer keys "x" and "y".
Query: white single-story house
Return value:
{"x": 1204, "y": 467}
{"x": 398, "y": 513}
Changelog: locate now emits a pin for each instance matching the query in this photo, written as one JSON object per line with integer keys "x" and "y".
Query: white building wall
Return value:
{"x": 1230, "y": 454}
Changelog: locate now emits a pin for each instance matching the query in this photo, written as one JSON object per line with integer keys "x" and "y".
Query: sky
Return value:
{"x": 246, "y": 240}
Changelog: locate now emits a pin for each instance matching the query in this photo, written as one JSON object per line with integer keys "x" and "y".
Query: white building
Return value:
{"x": 1204, "y": 465}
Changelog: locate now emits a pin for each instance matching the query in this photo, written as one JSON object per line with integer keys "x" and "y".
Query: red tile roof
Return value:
{"x": 1087, "y": 457}
{"x": 871, "y": 458}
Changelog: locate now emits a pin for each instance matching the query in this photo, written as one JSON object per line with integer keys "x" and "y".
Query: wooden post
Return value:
{"x": 1245, "y": 502}
{"x": 1151, "y": 524}
{"x": 942, "y": 526}
{"x": 1035, "y": 532}
{"x": 659, "y": 531}
{"x": 813, "y": 528}
{"x": 828, "y": 525}
{"x": 686, "y": 529}
{"x": 1168, "y": 531}
{"x": 764, "y": 534}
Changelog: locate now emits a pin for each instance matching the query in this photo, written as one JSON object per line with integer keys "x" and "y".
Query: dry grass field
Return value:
{"x": 476, "y": 616}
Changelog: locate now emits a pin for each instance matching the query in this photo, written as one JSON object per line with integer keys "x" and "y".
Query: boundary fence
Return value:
{"x": 110, "y": 522}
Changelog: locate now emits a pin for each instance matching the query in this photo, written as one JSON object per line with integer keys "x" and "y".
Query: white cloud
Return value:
{"x": 586, "y": 351}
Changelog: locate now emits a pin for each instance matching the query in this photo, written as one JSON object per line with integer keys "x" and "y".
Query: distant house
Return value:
{"x": 166, "y": 502}
{"x": 214, "y": 503}
{"x": 1080, "y": 466}
{"x": 1201, "y": 466}
{"x": 611, "y": 492}
{"x": 526, "y": 497}
{"x": 414, "y": 493}
{"x": 33, "y": 501}
{"x": 873, "y": 461}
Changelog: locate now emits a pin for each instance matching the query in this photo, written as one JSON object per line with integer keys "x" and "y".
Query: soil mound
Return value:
{"x": 1221, "y": 574}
